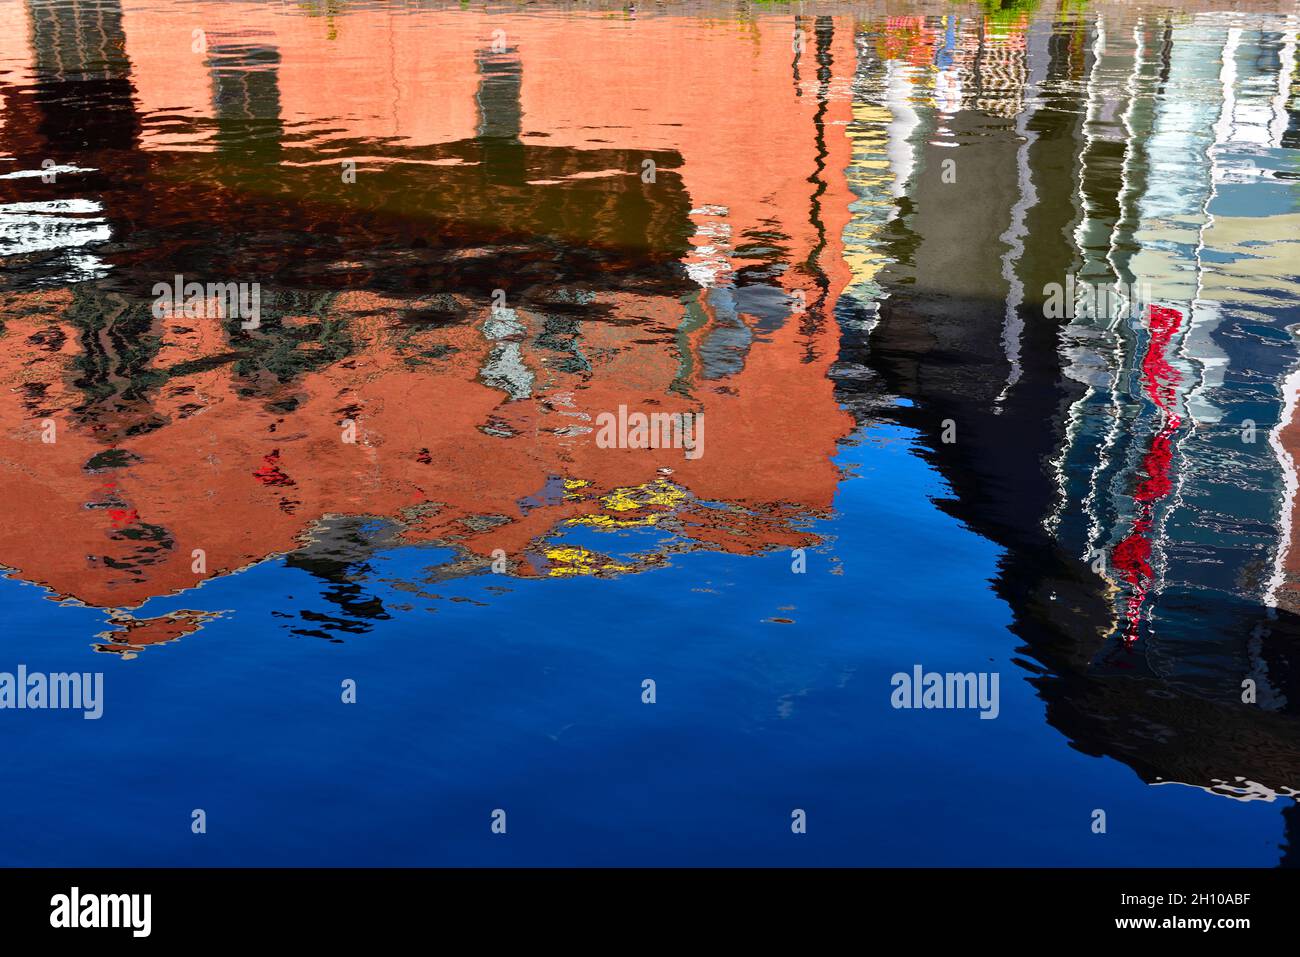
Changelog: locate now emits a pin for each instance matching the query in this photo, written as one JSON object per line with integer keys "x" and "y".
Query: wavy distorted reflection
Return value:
{"x": 470, "y": 243}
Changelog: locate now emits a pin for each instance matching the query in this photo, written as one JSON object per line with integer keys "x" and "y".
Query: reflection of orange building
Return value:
{"x": 470, "y": 428}
{"x": 913, "y": 39}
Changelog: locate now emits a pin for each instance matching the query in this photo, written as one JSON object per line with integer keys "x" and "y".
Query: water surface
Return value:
{"x": 841, "y": 235}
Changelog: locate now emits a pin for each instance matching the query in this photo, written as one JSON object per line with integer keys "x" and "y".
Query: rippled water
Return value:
{"x": 984, "y": 319}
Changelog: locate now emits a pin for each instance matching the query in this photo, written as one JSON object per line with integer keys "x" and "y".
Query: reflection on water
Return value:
{"x": 863, "y": 246}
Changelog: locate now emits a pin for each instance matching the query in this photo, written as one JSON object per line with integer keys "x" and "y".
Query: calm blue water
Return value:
{"x": 529, "y": 700}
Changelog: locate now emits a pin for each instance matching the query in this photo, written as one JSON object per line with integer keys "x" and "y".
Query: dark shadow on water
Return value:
{"x": 1184, "y": 721}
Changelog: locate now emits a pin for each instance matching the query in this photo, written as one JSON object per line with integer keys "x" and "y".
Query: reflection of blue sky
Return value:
{"x": 1261, "y": 197}
{"x": 525, "y": 694}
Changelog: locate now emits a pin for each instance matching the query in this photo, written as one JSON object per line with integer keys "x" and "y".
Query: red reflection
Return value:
{"x": 1160, "y": 381}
